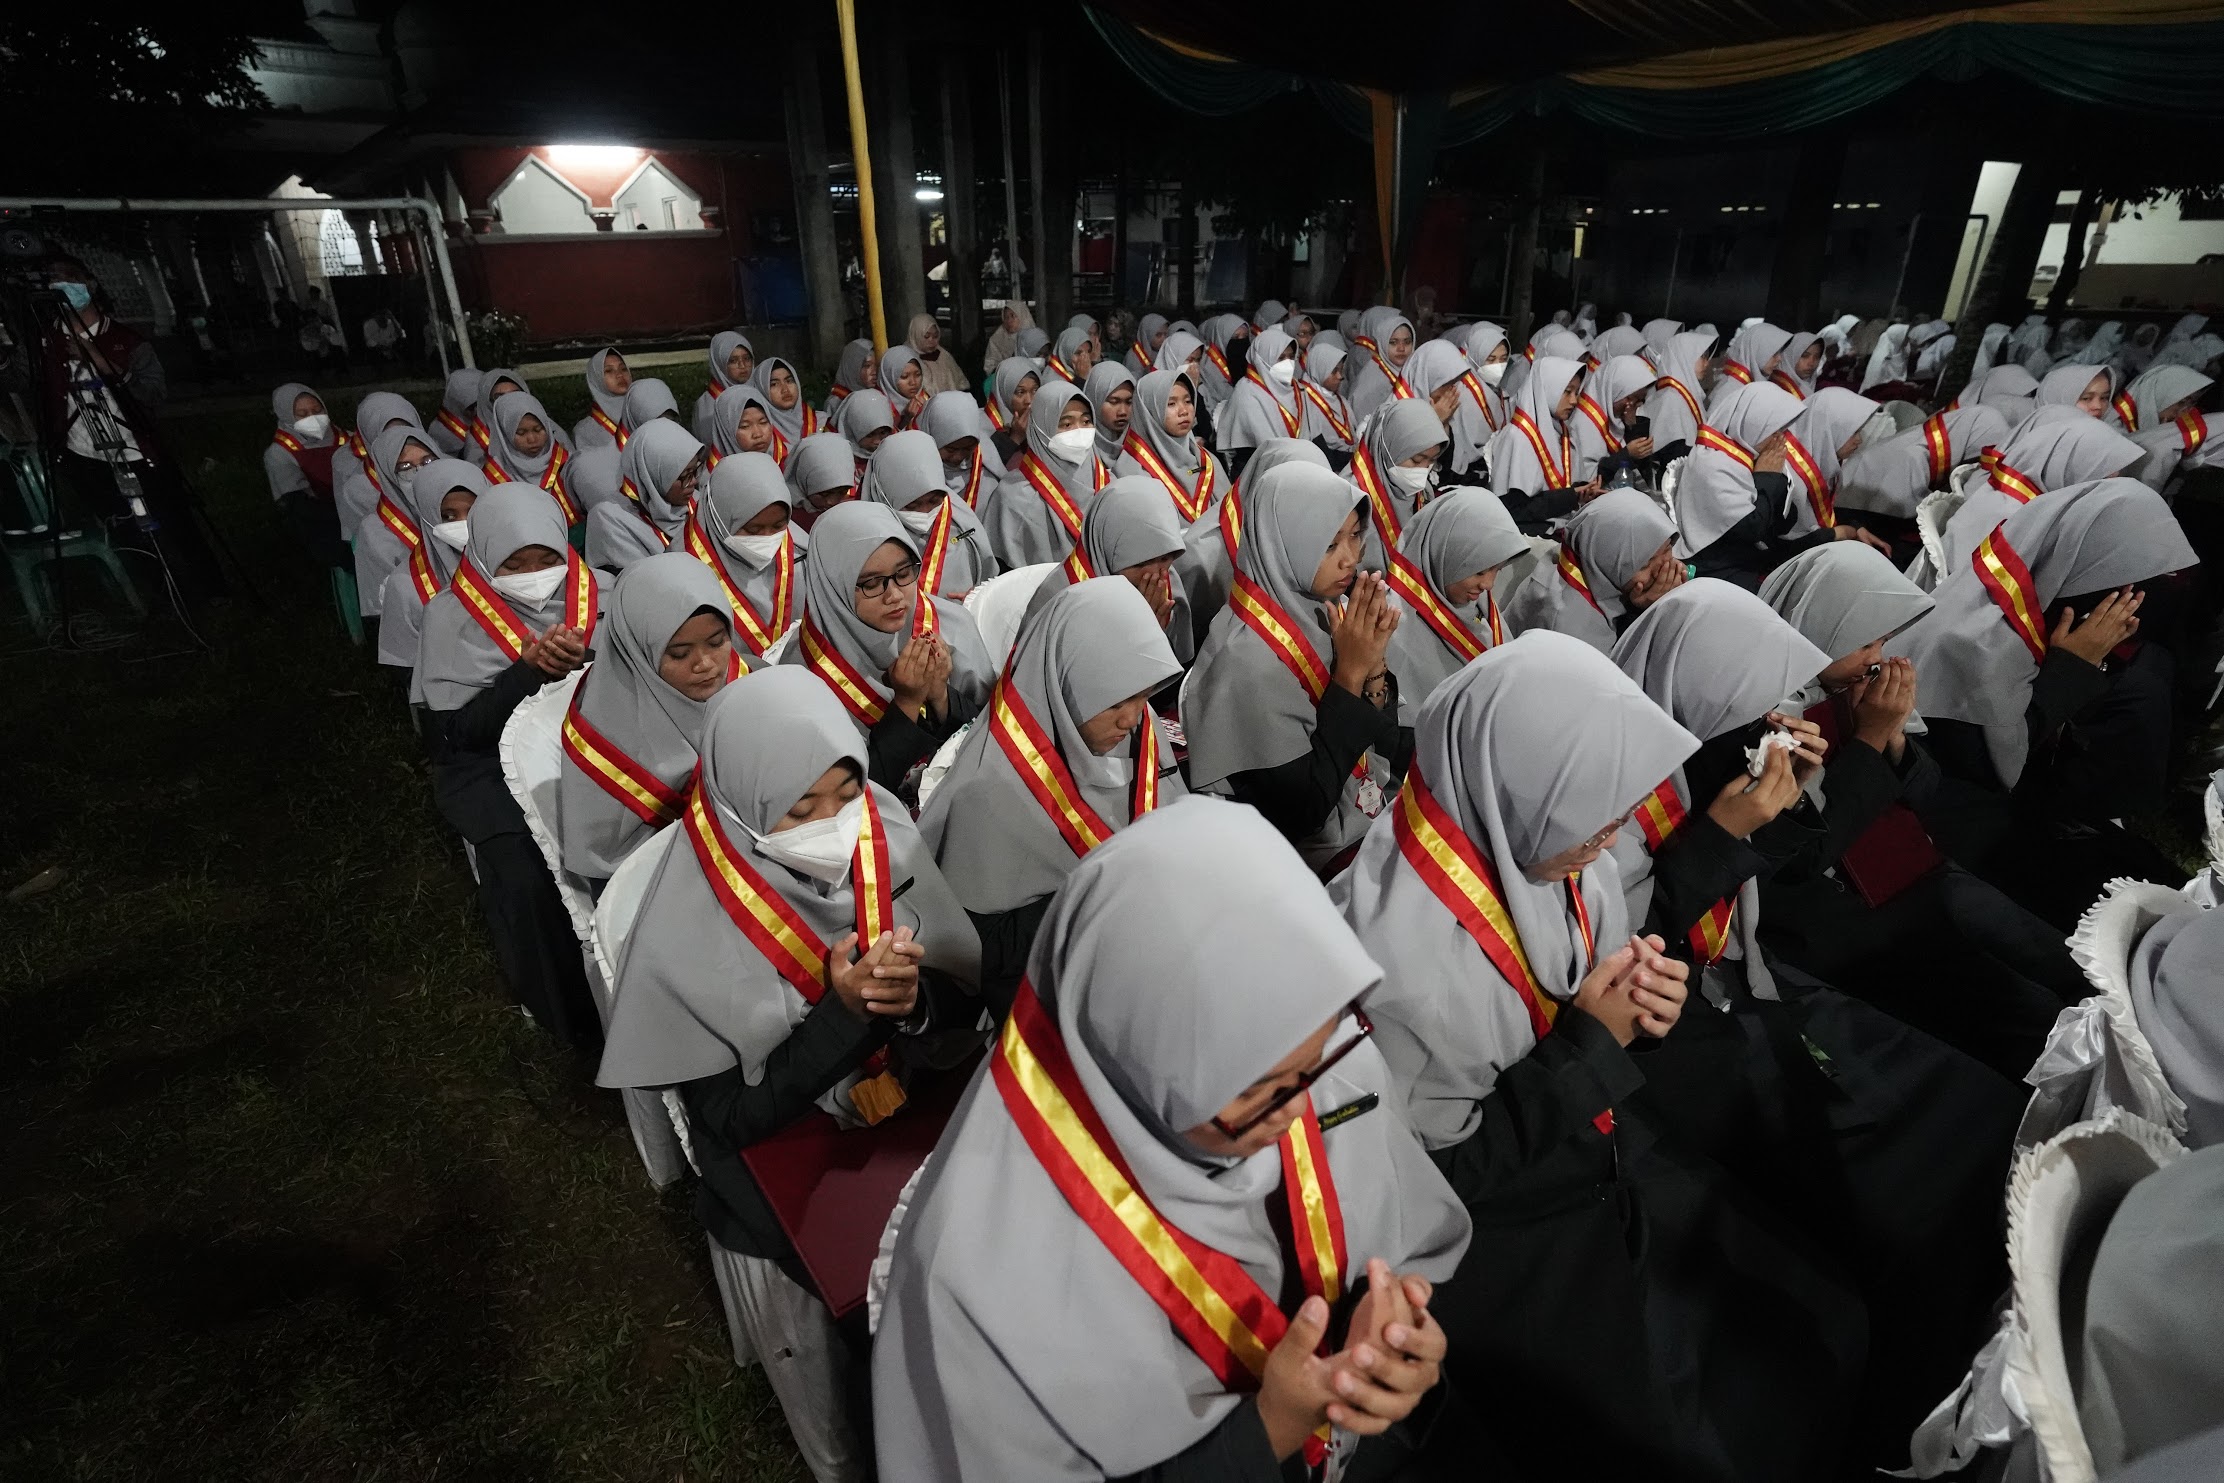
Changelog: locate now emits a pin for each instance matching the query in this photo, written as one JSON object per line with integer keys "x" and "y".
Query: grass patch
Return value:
{"x": 294, "y": 1191}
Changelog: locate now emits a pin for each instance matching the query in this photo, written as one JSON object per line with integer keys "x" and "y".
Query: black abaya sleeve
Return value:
{"x": 1698, "y": 866}
{"x": 1548, "y": 1096}
{"x": 1533, "y": 512}
{"x": 1298, "y": 795}
{"x": 2065, "y": 685}
{"x": 1235, "y": 1451}
{"x": 897, "y": 743}
{"x": 1006, "y": 939}
{"x": 1858, "y": 784}
{"x": 476, "y": 726}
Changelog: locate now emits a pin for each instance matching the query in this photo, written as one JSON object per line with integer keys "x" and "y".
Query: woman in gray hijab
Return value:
{"x": 793, "y": 419}
{"x": 1872, "y": 906}
{"x": 1162, "y": 445}
{"x": 2053, "y": 449}
{"x": 1010, "y": 394}
{"x": 741, "y": 532}
{"x": 386, "y": 536}
{"x": 1460, "y": 547}
{"x": 649, "y": 399}
{"x": 740, "y": 422}
{"x": 1291, "y": 706}
{"x": 1035, "y": 513}
{"x": 1535, "y": 465}
{"x": 298, "y": 460}
{"x": 867, "y": 419}
{"x": 1616, "y": 558}
{"x": 906, "y": 474}
{"x": 1756, "y": 354}
{"x": 1072, "y": 357}
{"x": 666, "y": 647}
{"x": 752, "y": 1032}
{"x": 439, "y": 501}
{"x": 1677, "y": 409}
{"x": 1131, "y": 531}
{"x": 1881, "y": 1144}
{"x": 1196, "y": 1081}
{"x": 1513, "y": 986}
{"x": 657, "y": 476}
{"x": 2086, "y": 387}
{"x": 2181, "y": 438}
{"x": 733, "y": 362}
{"x": 526, "y": 450}
{"x": 1800, "y": 363}
{"x": 1181, "y": 350}
{"x": 903, "y": 380}
{"x": 1207, "y": 567}
{"x": 356, "y": 481}
{"x": 823, "y": 473}
{"x": 909, "y": 668}
{"x": 856, "y": 370}
{"x": 608, "y": 380}
{"x": 1739, "y": 513}
{"x": 1110, "y": 389}
{"x": 1885, "y": 480}
{"x": 1325, "y": 416}
{"x": 2044, "y": 704}
{"x": 1438, "y": 372}
{"x": 1381, "y": 376}
{"x": 520, "y": 612}
{"x": 451, "y": 428}
{"x": 2008, "y": 390}
{"x": 1142, "y": 351}
{"x": 1265, "y": 402}
{"x": 970, "y": 467}
{"x": 1394, "y": 469}
{"x": 1069, "y": 754}
{"x": 1217, "y": 370}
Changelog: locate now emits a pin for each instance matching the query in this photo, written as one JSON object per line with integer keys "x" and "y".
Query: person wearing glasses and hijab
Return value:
{"x": 658, "y": 474}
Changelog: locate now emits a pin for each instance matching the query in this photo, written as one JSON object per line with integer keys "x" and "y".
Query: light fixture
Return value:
{"x": 926, "y": 193}
{"x": 605, "y": 156}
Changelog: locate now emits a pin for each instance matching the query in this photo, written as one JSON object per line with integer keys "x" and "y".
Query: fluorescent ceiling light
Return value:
{"x": 594, "y": 154}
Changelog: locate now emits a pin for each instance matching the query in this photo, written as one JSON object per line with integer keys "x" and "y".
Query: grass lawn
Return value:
{"x": 292, "y": 1191}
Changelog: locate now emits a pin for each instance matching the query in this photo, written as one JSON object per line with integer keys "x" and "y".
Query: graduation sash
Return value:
{"x": 493, "y": 613}
{"x": 1289, "y": 418}
{"x": 1729, "y": 447}
{"x": 405, "y": 529}
{"x": 1571, "y": 572}
{"x": 971, "y": 493}
{"x": 926, "y": 621}
{"x": 1407, "y": 580}
{"x": 633, "y": 496}
{"x": 454, "y": 424}
{"x": 996, "y": 417}
{"x": 1558, "y": 474}
{"x": 1736, "y": 372}
{"x": 607, "y": 423}
{"x": 2193, "y": 431}
{"x": 1219, "y": 1309}
{"x": 289, "y": 442}
{"x": 423, "y": 580}
{"x": 638, "y": 791}
{"x": 1054, "y": 493}
{"x": 480, "y": 432}
{"x": 1802, "y": 463}
{"x": 1057, "y": 368}
{"x": 1698, "y": 418}
{"x": 2008, "y": 581}
{"x": 934, "y": 556}
{"x": 2010, "y": 480}
{"x": 757, "y": 630}
{"x": 1599, "y": 420}
{"x": 858, "y": 694}
{"x": 1231, "y": 522}
{"x": 1257, "y": 610}
{"x": 2127, "y": 410}
{"x": 1191, "y": 502}
{"x": 781, "y": 444}
{"x": 1790, "y": 383}
{"x": 352, "y": 440}
{"x": 1399, "y": 391}
{"x": 1034, "y": 755}
{"x": 1219, "y": 360}
{"x": 1339, "y": 424}
{"x": 551, "y": 480}
{"x": 1658, "y": 817}
{"x": 1938, "y": 446}
{"x": 1474, "y": 387}
{"x": 1370, "y": 481}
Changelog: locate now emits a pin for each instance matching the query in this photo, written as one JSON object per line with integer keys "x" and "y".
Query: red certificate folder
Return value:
{"x": 1894, "y": 852}
{"x": 832, "y": 1188}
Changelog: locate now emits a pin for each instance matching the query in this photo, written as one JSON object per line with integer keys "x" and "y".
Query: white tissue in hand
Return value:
{"x": 1756, "y": 758}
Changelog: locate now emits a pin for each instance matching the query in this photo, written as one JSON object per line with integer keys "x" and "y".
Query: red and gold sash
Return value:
{"x": 1399, "y": 391}
{"x": 1659, "y": 816}
{"x": 633, "y": 495}
{"x": 1231, "y": 521}
{"x": 1790, "y": 383}
{"x": 454, "y": 424}
{"x": 607, "y": 423}
{"x": 1219, "y": 1309}
{"x": 926, "y": 619}
{"x": 1053, "y": 492}
{"x": 405, "y": 529}
{"x": 1219, "y": 359}
{"x": 1474, "y": 387}
{"x": 757, "y": 630}
{"x": 1365, "y": 342}
{"x": 480, "y": 432}
{"x": 1076, "y": 567}
{"x": 1057, "y": 368}
{"x": 1571, "y": 572}
{"x": 1370, "y": 481}
{"x": 1938, "y": 445}
{"x": 1736, "y": 372}
{"x": 552, "y": 480}
{"x": 2009, "y": 582}
{"x": 1257, "y": 610}
{"x": 934, "y": 555}
{"x": 1191, "y": 502}
{"x": 289, "y": 442}
{"x": 996, "y": 417}
{"x": 1407, "y": 580}
{"x": 352, "y": 440}
{"x": 1289, "y": 418}
{"x": 1339, "y": 423}
{"x": 2193, "y": 431}
{"x": 1729, "y": 447}
{"x": 1035, "y": 757}
{"x": 422, "y": 578}
{"x": 1599, "y": 420}
{"x": 971, "y": 493}
{"x": 858, "y": 695}
{"x": 1698, "y": 418}
{"x": 493, "y": 613}
{"x": 2010, "y": 480}
{"x": 1802, "y": 463}
{"x": 609, "y": 767}
{"x": 2127, "y": 410}
{"x": 1557, "y": 475}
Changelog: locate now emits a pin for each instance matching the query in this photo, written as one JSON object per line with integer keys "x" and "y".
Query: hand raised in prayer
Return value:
{"x": 1882, "y": 705}
{"x": 1359, "y": 632}
{"x": 2116, "y": 619}
{"x": 1807, "y": 760}
{"x": 557, "y": 652}
{"x": 1769, "y": 457}
{"x": 1746, "y": 803}
{"x": 1157, "y": 588}
{"x": 1632, "y": 989}
{"x": 882, "y": 984}
{"x": 921, "y": 677}
{"x": 1658, "y": 985}
{"x": 1392, "y": 1353}
{"x": 1858, "y": 533}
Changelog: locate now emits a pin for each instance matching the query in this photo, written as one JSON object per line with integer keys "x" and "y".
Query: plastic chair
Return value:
{"x": 31, "y": 546}
{"x": 532, "y": 761}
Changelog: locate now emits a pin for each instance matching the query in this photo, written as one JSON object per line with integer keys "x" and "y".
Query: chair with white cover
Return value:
{"x": 532, "y": 752}
{"x": 1936, "y": 511}
{"x": 999, "y": 604}
{"x": 2207, "y": 888}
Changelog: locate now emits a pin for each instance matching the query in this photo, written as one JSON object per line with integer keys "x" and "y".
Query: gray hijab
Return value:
{"x": 1139, "y": 349}
{"x": 1453, "y": 537}
{"x": 849, "y": 371}
{"x": 2008, "y": 390}
{"x": 1005, "y": 1311}
{"x": 1610, "y": 540}
{"x": 1717, "y": 491}
{"x": 1175, "y": 350}
{"x": 2055, "y": 448}
{"x": 1531, "y": 749}
{"x": 725, "y": 416}
{"x": 1070, "y": 341}
{"x": 1009, "y": 373}
{"x": 821, "y": 462}
{"x": 648, "y": 400}
{"x": 1089, "y": 648}
{"x": 952, "y": 415}
{"x": 789, "y": 424}
{"x": 1242, "y": 708}
{"x": 1844, "y": 596}
{"x": 281, "y": 408}
{"x": 694, "y": 996}
{"x": 1678, "y": 359}
{"x": 864, "y": 412}
{"x": 2063, "y": 385}
{"x": 456, "y": 659}
{"x": 1754, "y": 346}
{"x": 1034, "y": 343}
{"x": 905, "y": 467}
{"x": 623, "y": 697}
{"x": 508, "y": 414}
{"x": 1207, "y": 568}
{"x": 592, "y": 475}
{"x": 1828, "y": 419}
{"x": 654, "y": 457}
{"x": 1892, "y": 477}
{"x": 844, "y": 538}
{"x": 1183, "y": 456}
{"x": 2163, "y": 386}
{"x": 2149, "y": 1369}
{"x": 1434, "y": 366}
{"x": 2176, "y": 976}
{"x": 1104, "y": 378}
{"x": 1513, "y": 461}
{"x": 741, "y": 486}
{"x": 422, "y": 499}
{"x": 613, "y": 405}
{"x": 1399, "y": 430}
{"x": 1131, "y": 522}
{"x": 722, "y": 345}
{"x": 1970, "y": 665}
{"x": 1253, "y": 415}
{"x": 1022, "y": 526}
{"x": 892, "y": 363}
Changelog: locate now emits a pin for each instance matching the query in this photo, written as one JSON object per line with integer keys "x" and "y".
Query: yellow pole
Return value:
{"x": 846, "y": 12}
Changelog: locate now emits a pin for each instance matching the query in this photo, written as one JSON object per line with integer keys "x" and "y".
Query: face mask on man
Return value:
{"x": 821, "y": 849}
{"x": 76, "y": 295}
{"x": 530, "y": 588}
{"x": 1074, "y": 442}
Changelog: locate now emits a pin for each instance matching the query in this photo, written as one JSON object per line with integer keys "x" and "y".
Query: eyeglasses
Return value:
{"x": 1305, "y": 1079}
{"x": 906, "y": 575}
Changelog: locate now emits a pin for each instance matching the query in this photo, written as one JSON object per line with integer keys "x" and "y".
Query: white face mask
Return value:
{"x": 820, "y": 849}
{"x": 1412, "y": 481}
{"x": 1283, "y": 371}
{"x": 314, "y": 426}
{"x": 1074, "y": 443}
{"x": 1495, "y": 372}
{"x": 530, "y": 588}
{"x": 757, "y": 551}
{"x": 918, "y": 522}
{"x": 452, "y": 533}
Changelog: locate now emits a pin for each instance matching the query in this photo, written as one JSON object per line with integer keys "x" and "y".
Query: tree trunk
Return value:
{"x": 814, "y": 203}
{"x": 1795, "y": 281}
{"x": 959, "y": 180}
{"x": 2073, "y": 255}
{"x": 896, "y": 178}
{"x": 1520, "y": 311}
{"x": 2003, "y": 284}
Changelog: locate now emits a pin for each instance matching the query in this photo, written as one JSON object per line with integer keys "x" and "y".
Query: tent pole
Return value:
{"x": 845, "y": 12}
